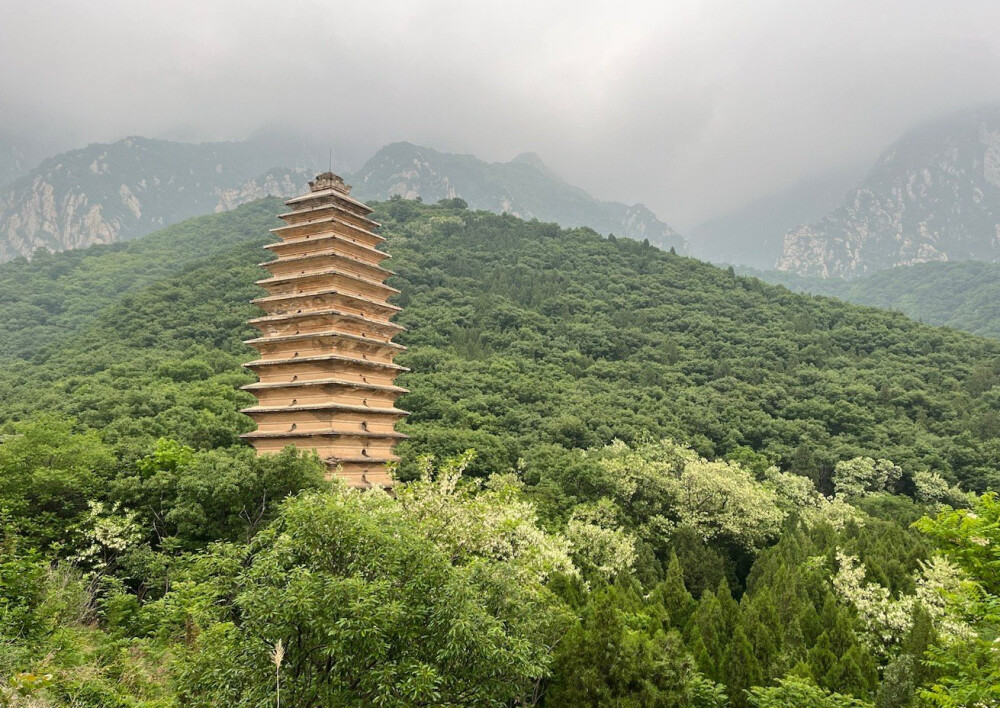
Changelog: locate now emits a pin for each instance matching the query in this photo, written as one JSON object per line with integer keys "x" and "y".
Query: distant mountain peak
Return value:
{"x": 412, "y": 171}
{"x": 933, "y": 195}
{"x": 108, "y": 192}
{"x": 531, "y": 158}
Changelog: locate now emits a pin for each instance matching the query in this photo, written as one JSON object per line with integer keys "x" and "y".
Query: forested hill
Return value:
{"x": 148, "y": 558}
{"x": 521, "y": 335}
{"x": 57, "y": 296}
{"x": 960, "y": 294}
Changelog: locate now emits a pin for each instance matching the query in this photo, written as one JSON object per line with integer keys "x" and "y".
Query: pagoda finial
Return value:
{"x": 328, "y": 180}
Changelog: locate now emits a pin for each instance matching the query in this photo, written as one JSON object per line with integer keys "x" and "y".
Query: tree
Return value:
{"x": 48, "y": 473}
{"x": 863, "y": 475}
{"x": 674, "y": 596}
{"x": 966, "y": 669}
{"x": 618, "y": 656}
{"x": 199, "y": 497}
{"x": 801, "y": 694}
{"x": 741, "y": 668}
{"x": 370, "y": 610}
{"x": 663, "y": 485}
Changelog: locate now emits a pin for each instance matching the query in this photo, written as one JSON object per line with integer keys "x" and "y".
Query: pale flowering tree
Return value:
{"x": 663, "y": 485}
{"x": 885, "y": 620}
{"x": 108, "y": 532}
{"x": 931, "y": 488}
{"x": 861, "y": 476}
{"x": 794, "y": 491}
{"x": 598, "y": 543}
{"x": 471, "y": 519}
{"x": 833, "y": 511}
{"x": 798, "y": 493}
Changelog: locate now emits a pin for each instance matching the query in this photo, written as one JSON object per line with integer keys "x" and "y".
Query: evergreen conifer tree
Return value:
{"x": 673, "y": 595}
{"x": 741, "y": 669}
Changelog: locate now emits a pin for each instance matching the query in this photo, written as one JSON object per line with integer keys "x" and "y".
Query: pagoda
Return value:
{"x": 326, "y": 372}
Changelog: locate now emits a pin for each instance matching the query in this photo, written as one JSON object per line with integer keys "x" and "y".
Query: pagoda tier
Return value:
{"x": 326, "y": 371}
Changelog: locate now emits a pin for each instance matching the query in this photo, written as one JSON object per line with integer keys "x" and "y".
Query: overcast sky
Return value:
{"x": 690, "y": 107}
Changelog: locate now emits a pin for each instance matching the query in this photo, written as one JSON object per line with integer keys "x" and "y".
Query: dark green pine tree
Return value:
{"x": 820, "y": 658}
{"x": 620, "y": 656}
{"x": 587, "y": 670}
{"x": 810, "y": 624}
{"x": 898, "y": 689}
{"x": 763, "y": 625}
{"x": 741, "y": 670}
{"x": 673, "y": 595}
{"x": 918, "y": 640}
{"x": 854, "y": 673}
{"x": 838, "y": 625}
{"x": 729, "y": 607}
{"x": 704, "y": 566}
{"x": 708, "y": 624}
{"x": 702, "y": 656}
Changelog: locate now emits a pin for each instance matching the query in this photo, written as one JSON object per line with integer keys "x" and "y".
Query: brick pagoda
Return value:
{"x": 326, "y": 352}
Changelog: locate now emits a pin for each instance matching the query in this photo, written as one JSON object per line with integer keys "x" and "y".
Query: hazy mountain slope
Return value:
{"x": 934, "y": 195}
{"x": 963, "y": 294}
{"x": 17, "y": 156}
{"x": 114, "y": 192}
{"x": 524, "y": 187}
{"x": 754, "y": 234}
{"x": 55, "y": 296}
{"x": 524, "y": 337}
{"x": 13, "y": 160}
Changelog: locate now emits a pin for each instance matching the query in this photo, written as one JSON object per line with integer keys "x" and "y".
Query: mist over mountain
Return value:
{"x": 753, "y": 235}
{"x": 524, "y": 187}
{"x": 18, "y": 154}
{"x": 105, "y": 193}
{"x": 933, "y": 195}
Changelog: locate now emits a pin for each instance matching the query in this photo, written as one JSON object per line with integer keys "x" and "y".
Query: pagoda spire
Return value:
{"x": 326, "y": 371}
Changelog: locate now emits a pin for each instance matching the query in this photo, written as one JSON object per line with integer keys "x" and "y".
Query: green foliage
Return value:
{"x": 522, "y": 335}
{"x": 967, "y": 670}
{"x": 198, "y": 497}
{"x": 960, "y": 294}
{"x": 560, "y": 357}
{"x": 801, "y": 694}
{"x": 971, "y": 538}
{"x": 47, "y": 474}
{"x": 660, "y": 486}
{"x": 54, "y": 297}
{"x": 622, "y": 653}
{"x": 372, "y": 611}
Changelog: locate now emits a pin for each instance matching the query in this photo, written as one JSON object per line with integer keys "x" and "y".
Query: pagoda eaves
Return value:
{"x": 326, "y": 371}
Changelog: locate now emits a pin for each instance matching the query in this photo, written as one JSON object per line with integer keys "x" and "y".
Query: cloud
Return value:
{"x": 691, "y": 107}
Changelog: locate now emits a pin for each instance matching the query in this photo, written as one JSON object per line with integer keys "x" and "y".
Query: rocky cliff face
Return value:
{"x": 524, "y": 187}
{"x": 934, "y": 195}
{"x": 114, "y": 192}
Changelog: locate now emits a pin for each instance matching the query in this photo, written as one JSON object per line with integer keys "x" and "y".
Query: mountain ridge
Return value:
{"x": 933, "y": 195}
{"x": 109, "y": 192}
{"x": 753, "y": 235}
{"x": 525, "y": 187}
{"x": 964, "y": 295}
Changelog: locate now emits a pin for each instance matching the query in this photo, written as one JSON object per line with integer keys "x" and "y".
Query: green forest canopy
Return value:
{"x": 520, "y": 334}
{"x": 614, "y": 567}
{"x": 960, "y": 294}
